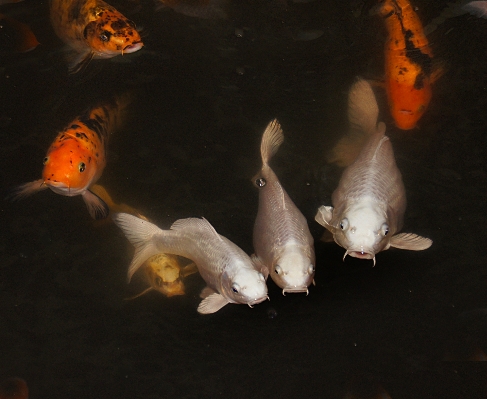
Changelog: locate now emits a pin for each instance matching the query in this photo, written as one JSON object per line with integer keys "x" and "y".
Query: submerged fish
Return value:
{"x": 23, "y": 39}
{"x": 408, "y": 63}
{"x": 14, "y": 388}
{"x": 77, "y": 157}
{"x": 282, "y": 242}
{"x": 206, "y": 9}
{"x": 230, "y": 274}
{"x": 93, "y": 29}
{"x": 370, "y": 201}
{"x": 165, "y": 274}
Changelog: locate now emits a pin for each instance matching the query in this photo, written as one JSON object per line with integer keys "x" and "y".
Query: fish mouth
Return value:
{"x": 360, "y": 254}
{"x": 132, "y": 48}
{"x": 257, "y": 301}
{"x": 295, "y": 290}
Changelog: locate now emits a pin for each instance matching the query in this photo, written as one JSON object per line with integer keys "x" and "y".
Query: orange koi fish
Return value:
{"x": 77, "y": 157}
{"x": 24, "y": 39}
{"x": 408, "y": 63}
{"x": 206, "y": 9}
{"x": 94, "y": 29}
{"x": 14, "y": 388}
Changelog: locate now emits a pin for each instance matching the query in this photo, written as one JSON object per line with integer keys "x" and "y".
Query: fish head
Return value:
{"x": 246, "y": 286}
{"x": 363, "y": 231}
{"x": 163, "y": 272}
{"x": 112, "y": 34}
{"x": 68, "y": 169}
{"x": 294, "y": 269}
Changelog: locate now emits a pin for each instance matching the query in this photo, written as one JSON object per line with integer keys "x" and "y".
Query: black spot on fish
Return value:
{"x": 74, "y": 126}
{"x": 119, "y": 24}
{"x": 416, "y": 56}
{"x": 419, "y": 81}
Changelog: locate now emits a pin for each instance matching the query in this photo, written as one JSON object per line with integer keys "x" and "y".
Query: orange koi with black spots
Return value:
{"x": 94, "y": 29}
{"x": 408, "y": 63}
{"x": 77, "y": 157}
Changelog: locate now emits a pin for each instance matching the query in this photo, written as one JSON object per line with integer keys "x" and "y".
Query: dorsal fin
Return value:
{"x": 195, "y": 223}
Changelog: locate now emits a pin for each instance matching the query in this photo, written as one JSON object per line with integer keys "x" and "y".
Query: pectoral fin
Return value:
{"x": 206, "y": 292}
{"x": 77, "y": 62}
{"x": 189, "y": 269}
{"x": 96, "y": 206}
{"x": 324, "y": 216}
{"x": 260, "y": 266}
{"x": 212, "y": 304}
{"x": 410, "y": 241}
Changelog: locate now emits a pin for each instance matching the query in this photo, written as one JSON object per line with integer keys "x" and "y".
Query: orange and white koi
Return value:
{"x": 77, "y": 157}
{"x": 94, "y": 29}
{"x": 408, "y": 63}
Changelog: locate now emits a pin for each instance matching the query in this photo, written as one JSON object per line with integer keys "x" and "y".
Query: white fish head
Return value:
{"x": 246, "y": 286}
{"x": 294, "y": 269}
{"x": 363, "y": 231}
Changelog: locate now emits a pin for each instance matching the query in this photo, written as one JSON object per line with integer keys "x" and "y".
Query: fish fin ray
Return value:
{"x": 26, "y": 190}
{"x": 260, "y": 266}
{"x": 197, "y": 223}
{"x": 212, "y": 304}
{"x": 410, "y": 241}
{"x": 206, "y": 292}
{"x": 324, "y": 216}
{"x": 140, "y": 233}
{"x": 271, "y": 141}
{"x": 96, "y": 206}
{"x": 189, "y": 269}
{"x": 78, "y": 62}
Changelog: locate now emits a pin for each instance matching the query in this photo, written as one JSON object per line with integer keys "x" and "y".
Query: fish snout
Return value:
{"x": 295, "y": 290}
{"x": 360, "y": 254}
{"x": 133, "y": 47}
{"x": 257, "y": 301}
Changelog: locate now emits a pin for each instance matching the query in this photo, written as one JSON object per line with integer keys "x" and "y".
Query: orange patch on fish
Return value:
{"x": 408, "y": 63}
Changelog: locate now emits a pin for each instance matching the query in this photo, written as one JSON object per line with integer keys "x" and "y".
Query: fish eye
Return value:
{"x": 45, "y": 160}
{"x": 278, "y": 269}
{"x": 131, "y": 23}
{"x": 311, "y": 269}
{"x": 235, "y": 288}
{"x": 344, "y": 224}
{"x": 384, "y": 229}
{"x": 105, "y": 36}
{"x": 158, "y": 281}
{"x": 260, "y": 182}
{"x": 81, "y": 167}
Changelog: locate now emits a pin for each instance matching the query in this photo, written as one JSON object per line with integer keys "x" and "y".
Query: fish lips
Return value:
{"x": 133, "y": 47}
{"x": 295, "y": 290}
{"x": 257, "y": 301}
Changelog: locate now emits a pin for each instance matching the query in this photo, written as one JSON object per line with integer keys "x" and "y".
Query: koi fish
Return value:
{"x": 77, "y": 157}
{"x": 282, "y": 241}
{"x": 164, "y": 272}
{"x": 206, "y": 9}
{"x": 24, "y": 39}
{"x": 370, "y": 201}
{"x": 93, "y": 29}
{"x": 230, "y": 274}
{"x": 408, "y": 63}
{"x": 14, "y": 388}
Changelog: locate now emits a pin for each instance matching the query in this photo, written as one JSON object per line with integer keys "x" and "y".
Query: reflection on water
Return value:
{"x": 204, "y": 91}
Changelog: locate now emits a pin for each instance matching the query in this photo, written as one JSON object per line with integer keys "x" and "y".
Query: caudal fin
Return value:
{"x": 363, "y": 112}
{"x": 141, "y": 234}
{"x": 271, "y": 141}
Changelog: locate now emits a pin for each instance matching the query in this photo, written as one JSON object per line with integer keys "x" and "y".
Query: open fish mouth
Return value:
{"x": 257, "y": 301}
{"x": 295, "y": 290}
{"x": 132, "y": 48}
{"x": 359, "y": 254}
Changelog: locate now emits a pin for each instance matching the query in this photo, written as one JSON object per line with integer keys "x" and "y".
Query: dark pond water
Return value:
{"x": 203, "y": 96}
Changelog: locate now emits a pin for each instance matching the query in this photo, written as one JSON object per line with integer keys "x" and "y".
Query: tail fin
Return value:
{"x": 141, "y": 234}
{"x": 363, "y": 112}
{"x": 271, "y": 141}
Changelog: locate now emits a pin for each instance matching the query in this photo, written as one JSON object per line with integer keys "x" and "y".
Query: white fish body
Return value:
{"x": 282, "y": 241}
{"x": 230, "y": 274}
{"x": 370, "y": 201}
